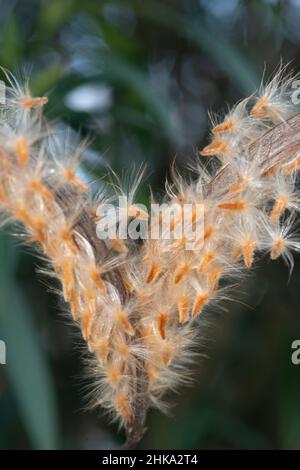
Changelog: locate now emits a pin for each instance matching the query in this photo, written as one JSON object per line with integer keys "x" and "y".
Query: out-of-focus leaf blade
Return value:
{"x": 226, "y": 55}
{"x": 46, "y": 78}
{"x": 26, "y": 366}
{"x": 161, "y": 108}
{"x": 53, "y": 14}
{"x": 212, "y": 40}
{"x": 11, "y": 43}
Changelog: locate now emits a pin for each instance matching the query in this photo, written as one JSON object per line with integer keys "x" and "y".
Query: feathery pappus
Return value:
{"x": 138, "y": 305}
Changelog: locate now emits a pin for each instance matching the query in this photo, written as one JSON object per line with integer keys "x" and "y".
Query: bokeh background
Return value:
{"x": 139, "y": 77}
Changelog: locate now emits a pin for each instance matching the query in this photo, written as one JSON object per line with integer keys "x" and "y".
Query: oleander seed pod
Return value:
{"x": 138, "y": 305}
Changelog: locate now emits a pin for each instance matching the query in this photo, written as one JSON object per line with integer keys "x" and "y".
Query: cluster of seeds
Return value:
{"x": 137, "y": 305}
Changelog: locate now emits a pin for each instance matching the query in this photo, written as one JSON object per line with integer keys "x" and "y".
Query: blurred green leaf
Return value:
{"x": 118, "y": 41}
{"x": 126, "y": 74}
{"x": 228, "y": 57}
{"x": 26, "y": 366}
{"x": 46, "y": 78}
{"x": 11, "y": 43}
{"x": 53, "y": 14}
{"x": 211, "y": 39}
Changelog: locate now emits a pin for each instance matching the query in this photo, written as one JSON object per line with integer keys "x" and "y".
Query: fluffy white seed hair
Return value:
{"x": 138, "y": 305}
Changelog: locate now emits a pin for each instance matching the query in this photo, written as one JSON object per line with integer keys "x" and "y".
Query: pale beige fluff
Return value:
{"x": 138, "y": 305}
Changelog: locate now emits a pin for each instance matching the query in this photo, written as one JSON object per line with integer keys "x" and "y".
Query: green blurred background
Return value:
{"x": 139, "y": 77}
